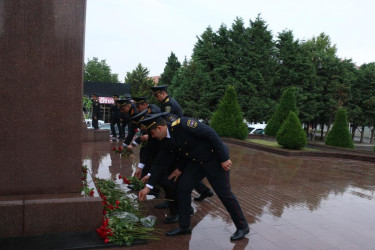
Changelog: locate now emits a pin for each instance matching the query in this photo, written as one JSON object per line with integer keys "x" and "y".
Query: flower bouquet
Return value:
{"x": 120, "y": 150}
{"x": 85, "y": 190}
{"x": 136, "y": 184}
{"x": 123, "y": 222}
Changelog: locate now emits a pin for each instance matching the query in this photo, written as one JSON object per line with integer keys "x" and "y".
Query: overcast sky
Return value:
{"x": 128, "y": 32}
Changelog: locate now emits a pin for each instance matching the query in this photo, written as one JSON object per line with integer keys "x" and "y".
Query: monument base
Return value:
{"x": 27, "y": 215}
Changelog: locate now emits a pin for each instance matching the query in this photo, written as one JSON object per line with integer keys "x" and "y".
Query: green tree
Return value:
{"x": 339, "y": 135}
{"x": 262, "y": 53}
{"x": 170, "y": 70}
{"x": 95, "y": 71}
{"x": 287, "y": 104}
{"x": 291, "y": 135}
{"x": 366, "y": 101}
{"x": 227, "y": 120}
{"x": 87, "y": 103}
{"x": 140, "y": 81}
{"x": 294, "y": 68}
{"x": 191, "y": 91}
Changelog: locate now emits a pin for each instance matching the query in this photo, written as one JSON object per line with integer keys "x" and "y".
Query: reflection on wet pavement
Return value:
{"x": 289, "y": 202}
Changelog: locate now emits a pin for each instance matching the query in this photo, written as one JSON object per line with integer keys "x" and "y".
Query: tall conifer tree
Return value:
{"x": 228, "y": 118}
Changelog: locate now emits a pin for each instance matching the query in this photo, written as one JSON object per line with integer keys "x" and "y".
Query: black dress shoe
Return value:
{"x": 191, "y": 211}
{"x": 204, "y": 195}
{"x": 171, "y": 219}
{"x": 179, "y": 231}
{"x": 162, "y": 205}
{"x": 240, "y": 234}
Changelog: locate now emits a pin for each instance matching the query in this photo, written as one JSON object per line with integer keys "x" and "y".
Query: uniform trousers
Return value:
{"x": 219, "y": 180}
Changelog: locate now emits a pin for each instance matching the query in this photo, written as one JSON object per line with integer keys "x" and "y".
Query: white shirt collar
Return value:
{"x": 168, "y": 135}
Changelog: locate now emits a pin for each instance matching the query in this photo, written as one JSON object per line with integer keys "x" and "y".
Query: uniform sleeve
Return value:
{"x": 131, "y": 133}
{"x": 160, "y": 164}
{"x": 205, "y": 132}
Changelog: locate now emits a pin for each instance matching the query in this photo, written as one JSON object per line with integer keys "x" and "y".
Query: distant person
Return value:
{"x": 95, "y": 111}
{"x": 115, "y": 117}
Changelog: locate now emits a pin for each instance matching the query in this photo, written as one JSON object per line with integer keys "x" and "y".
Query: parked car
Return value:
{"x": 257, "y": 128}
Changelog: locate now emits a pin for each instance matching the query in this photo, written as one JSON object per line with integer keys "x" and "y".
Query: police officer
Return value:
{"x": 205, "y": 155}
{"x": 141, "y": 105}
{"x": 143, "y": 108}
{"x": 115, "y": 117}
{"x": 168, "y": 104}
{"x": 95, "y": 111}
{"x": 128, "y": 108}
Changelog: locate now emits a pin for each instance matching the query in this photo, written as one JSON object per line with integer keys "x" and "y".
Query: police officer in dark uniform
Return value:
{"x": 115, "y": 117}
{"x": 144, "y": 109}
{"x": 95, "y": 111}
{"x": 148, "y": 154}
{"x": 128, "y": 108}
{"x": 168, "y": 104}
{"x": 205, "y": 155}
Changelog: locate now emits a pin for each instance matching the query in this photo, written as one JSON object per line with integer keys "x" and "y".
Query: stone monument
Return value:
{"x": 41, "y": 80}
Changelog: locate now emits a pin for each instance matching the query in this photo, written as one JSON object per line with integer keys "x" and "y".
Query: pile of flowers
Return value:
{"x": 123, "y": 222}
{"x": 136, "y": 184}
{"x": 85, "y": 190}
{"x": 120, "y": 150}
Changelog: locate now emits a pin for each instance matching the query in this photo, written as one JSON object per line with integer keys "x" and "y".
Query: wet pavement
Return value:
{"x": 289, "y": 202}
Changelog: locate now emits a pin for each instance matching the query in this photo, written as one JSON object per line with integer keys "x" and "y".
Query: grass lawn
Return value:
{"x": 273, "y": 144}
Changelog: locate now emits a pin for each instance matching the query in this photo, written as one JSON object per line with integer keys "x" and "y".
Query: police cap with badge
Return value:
{"x": 123, "y": 102}
{"x": 139, "y": 100}
{"x": 139, "y": 117}
{"x": 151, "y": 119}
{"x": 157, "y": 89}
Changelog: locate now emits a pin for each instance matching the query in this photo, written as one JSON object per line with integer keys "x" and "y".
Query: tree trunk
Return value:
{"x": 321, "y": 131}
{"x": 362, "y": 133}
{"x": 354, "y": 128}
{"x": 372, "y": 135}
{"x": 314, "y": 132}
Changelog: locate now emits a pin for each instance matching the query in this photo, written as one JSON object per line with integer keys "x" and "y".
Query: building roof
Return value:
{"x": 155, "y": 78}
{"x": 106, "y": 89}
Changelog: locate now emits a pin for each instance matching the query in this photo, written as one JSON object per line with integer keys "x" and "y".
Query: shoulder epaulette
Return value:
{"x": 176, "y": 122}
{"x": 167, "y": 100}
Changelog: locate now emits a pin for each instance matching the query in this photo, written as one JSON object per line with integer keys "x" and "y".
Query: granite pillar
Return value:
{"x": 41, "y": 65}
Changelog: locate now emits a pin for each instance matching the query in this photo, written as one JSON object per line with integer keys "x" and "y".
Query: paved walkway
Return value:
{"x": 289, "y": 202}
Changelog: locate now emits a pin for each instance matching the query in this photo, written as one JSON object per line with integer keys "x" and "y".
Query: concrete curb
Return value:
{"x": 332, "y": 152}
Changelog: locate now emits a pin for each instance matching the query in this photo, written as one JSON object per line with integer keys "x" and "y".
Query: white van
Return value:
{"x": 256, "y": 128}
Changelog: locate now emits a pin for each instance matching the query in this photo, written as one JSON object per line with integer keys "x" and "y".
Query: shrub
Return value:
{"x": 227, "y": 120}
{"x": 291, "y": 135}
{"x": 287, "y": 104}
{"x": 339, "y": 135}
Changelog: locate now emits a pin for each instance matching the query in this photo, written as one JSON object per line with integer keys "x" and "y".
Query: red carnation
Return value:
{"x": 114, "y": 148}
{"x": 104, "y": 212}
{"x": 120, "y": 148}
{"x": 136, "y": 130}
{"x": 117, "y": 207}
{"x": 117, "y": 202}
{"x": 119, "y": 176}
{"x": 91, "y": 192}
{"x": 106, "y": 241}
